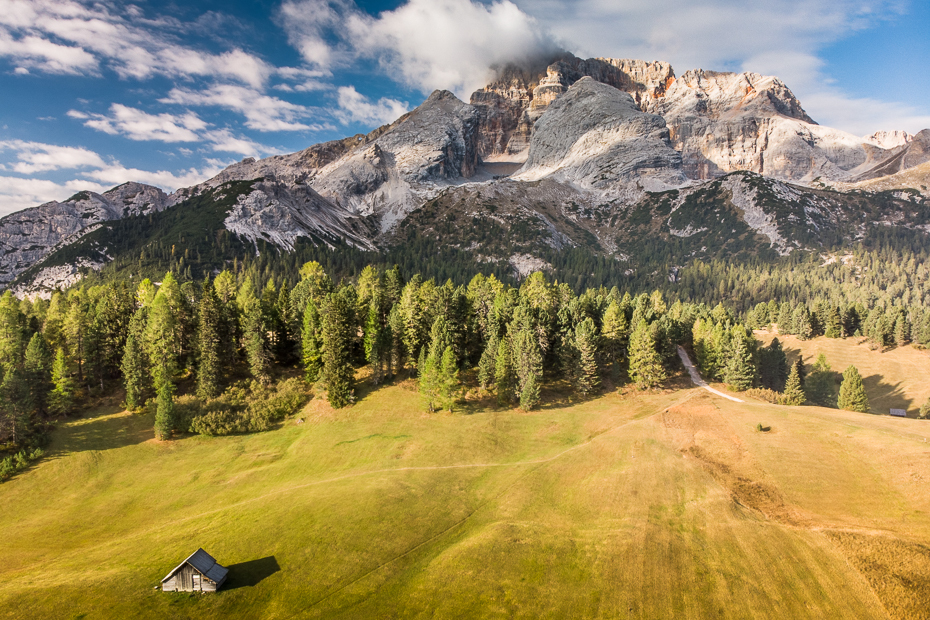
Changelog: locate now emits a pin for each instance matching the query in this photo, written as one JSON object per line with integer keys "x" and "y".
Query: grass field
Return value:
{"x": 898, "y": 377}
{"x": 658, "y": 505}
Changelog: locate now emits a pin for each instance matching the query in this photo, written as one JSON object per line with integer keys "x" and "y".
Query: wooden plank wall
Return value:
{"x": 183, "y": 581}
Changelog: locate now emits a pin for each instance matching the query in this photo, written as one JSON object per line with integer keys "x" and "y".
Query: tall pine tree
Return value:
{"x": 336, "y": 332}
{"x": 646, "y": 369}
{"x": 208, "y": 344}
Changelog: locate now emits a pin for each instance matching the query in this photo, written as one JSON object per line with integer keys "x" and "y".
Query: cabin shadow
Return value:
{"x": 251, "y": 573}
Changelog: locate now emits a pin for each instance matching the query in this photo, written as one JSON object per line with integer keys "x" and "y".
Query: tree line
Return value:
{"x": 228, "y": 338}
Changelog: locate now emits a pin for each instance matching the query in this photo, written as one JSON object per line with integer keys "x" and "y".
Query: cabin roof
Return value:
{"x": 901, "y": 413}
{"x": 203, "y": 562}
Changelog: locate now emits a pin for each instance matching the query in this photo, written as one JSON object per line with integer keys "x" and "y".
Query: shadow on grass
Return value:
{"x": 251, "y": 573}
{"x": 889, "y": 395}
{"x": 103, "y": 431}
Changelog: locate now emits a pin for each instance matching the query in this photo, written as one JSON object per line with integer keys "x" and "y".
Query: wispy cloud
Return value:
{"x": 262, "y": 112}
{"x": 67, "y": 36}
{"x": 138, "y": 125}
{"x": 38, "y": 157}
{"x": 141, "y": 126}
{"x": 356, "y": 107}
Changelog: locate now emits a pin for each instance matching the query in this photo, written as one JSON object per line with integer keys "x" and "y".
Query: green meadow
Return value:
{"x": 629, "y": 505}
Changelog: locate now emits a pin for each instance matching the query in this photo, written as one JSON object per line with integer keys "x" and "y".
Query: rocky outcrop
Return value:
{"x": 910, "y": 155}
{"x": 595, "y": 136}
{"x": 385, "y": 173}
{"x": 725, "y": 122}
{"x": 281, "y": 213}
{"x": 888, "y": 139}
{"x": 28, "y": 236}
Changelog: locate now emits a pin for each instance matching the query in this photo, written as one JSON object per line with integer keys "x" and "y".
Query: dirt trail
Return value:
{"x": 696, "y": 376}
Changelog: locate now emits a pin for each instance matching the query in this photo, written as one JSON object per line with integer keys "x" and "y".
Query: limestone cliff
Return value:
{"x": 595, "y": 136}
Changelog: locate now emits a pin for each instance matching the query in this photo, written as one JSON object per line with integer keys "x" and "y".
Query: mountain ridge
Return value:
{"x": 601, "y": 131}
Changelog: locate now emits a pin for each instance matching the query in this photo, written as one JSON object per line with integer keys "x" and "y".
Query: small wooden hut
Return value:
{"x": 198, "y": 573}
{"x": 901, "y": 413}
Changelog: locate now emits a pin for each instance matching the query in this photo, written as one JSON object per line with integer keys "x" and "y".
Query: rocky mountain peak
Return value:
{"x": 595, "y": 136}
{"x": 716, "y": 94}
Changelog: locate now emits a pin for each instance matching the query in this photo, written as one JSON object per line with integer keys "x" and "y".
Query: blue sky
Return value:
{"x": 98, "y": 93}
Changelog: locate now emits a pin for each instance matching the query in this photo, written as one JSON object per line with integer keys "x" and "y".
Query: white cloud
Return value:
{"x": 354, "y": 106}
{"x": 138, "y": 125}
{"x": 33, "y": 52}
{"x": 38, "y": 157}
{"x": 66, "y": 36}
{"x": 427, "y": 44}
{"x": 262, "y": 112}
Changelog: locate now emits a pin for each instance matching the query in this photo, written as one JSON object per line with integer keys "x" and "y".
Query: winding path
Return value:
{"x": 696, "y": 377}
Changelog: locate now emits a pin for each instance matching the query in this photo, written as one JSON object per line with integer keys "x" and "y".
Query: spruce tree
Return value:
{"x": 739, "y": 370}
{"x": 14, "y": 403}
{"x": 773, "y": 366}
{"x": 396, "y": 333}
{"x": 527, "y": 361}
{"x": 529, "y": 396}
{"x": 448, "y": 379}
{"x": 615, "y": 333}
{"x": 802, "y": 322}
{"x": 833, "y": 327}
{"x": 135, "y": 363}
{"x": 504, "y": 377}
{"x": 587, "y": 377}
{"x": 646, "y": 368}
{"x": 11, "y": 333}
{"x": 488, "y": 362}
{"x": 164, "y": 411}
{"x": 61, "y": 398}
{"x": 312, "y": 344}
{"x": 162, "y": 342}
{"x": 794, "y": 391}
{"x": 37, "y": 367}
{"x": 254, "y": 334}
{"x": 902, "y": 330}
{"x": 336, "y": 336}
{"x": 75, "y": 329}
{"x": 208, "y": 344}
{"x": 852, "y": 392}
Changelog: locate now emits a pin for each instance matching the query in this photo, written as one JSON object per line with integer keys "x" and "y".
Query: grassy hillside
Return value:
{"x": 640, "y": 505}
{"x": 898, "y": 377}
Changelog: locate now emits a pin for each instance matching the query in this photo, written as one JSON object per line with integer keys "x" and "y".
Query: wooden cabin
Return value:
{"x": 901, "y": 413}
{"x": 198, "y": 573}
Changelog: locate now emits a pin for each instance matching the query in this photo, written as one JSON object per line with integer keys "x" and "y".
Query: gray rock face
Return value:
{"x": 596, "y": 136}
{"x": 28, "y": 236}
{"x": 281, "y": 213}
{"x": 385, "y": 173}
{"x": 724, "y": 122}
